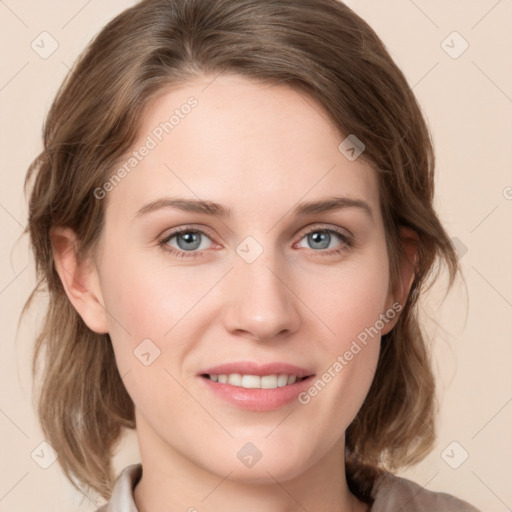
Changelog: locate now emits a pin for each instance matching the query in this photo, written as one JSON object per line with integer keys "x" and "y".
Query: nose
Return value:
{"x": 261, "y": 303}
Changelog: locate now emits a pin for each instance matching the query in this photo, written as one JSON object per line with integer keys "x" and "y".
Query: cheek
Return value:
{"x": 350, "y": 305}
{"x": 334, "y": 399}
{"x": 145, "y": 300}
{"x": 148, "y": 307}
{"x": 349, "y": 357}
{"x": 144, "y": 304}
{"x": 350, "y": 299}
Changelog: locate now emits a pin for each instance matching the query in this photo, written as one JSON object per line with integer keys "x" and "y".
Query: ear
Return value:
{"x": 79, "y": 279}
{"x": 400, "y": 291}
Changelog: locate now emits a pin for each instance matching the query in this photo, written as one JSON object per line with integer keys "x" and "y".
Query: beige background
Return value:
{"x": 468, "y": 103}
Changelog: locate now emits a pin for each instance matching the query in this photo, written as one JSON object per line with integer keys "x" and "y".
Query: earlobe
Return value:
{"x": 400, "y": 292}
{"x": 79, "y": 279}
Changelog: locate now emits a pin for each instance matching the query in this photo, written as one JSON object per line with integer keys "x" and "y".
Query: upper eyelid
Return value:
{"x": 186, "y": 229}
{"x": 338, "y": 230}
{"x": 304, "y": 231}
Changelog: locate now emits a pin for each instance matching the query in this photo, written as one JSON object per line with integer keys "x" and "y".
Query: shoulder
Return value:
{"x": 122, "y": 493}
{"x": 392, "y": 493}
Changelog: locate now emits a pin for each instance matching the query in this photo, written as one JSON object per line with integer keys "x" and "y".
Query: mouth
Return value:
{"x": 255, "y": 387}
{"x": 255, "y": 381}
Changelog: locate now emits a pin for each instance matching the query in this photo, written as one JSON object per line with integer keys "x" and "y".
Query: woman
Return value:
{"x": 233, "y": 217}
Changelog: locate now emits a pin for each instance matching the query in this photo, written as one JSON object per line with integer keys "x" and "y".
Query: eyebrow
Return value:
{"x": 217, "y": 210}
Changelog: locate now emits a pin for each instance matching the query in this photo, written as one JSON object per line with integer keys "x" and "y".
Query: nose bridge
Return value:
{"x": 262, "y": 305}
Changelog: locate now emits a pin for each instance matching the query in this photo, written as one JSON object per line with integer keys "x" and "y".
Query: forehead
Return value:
{"x": 245, "y": 144}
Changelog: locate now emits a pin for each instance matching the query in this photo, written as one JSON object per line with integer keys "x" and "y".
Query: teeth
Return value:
{"x": 235, "y": 379}
{"x": 250, "y": 381}
{"x": 269, "y": 381}
{"x": 282, "y": 380}
{"x": 255, "y": 381}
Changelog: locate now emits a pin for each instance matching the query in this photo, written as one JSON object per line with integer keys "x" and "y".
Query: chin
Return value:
{"x": 259, "y": 462}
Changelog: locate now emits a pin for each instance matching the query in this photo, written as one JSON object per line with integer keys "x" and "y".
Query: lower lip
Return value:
{"x": 256, "y": 399}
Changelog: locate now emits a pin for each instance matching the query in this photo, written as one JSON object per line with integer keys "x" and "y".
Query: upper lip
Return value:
{"x": 252, "y": 368}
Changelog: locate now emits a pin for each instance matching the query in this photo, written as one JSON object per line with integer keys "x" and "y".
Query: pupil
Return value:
{"x": 322, "y": 238}
{"x": 190, "y": 238}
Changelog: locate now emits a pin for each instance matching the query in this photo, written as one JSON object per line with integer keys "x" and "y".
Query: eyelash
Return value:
{"x": 163, "y": 243}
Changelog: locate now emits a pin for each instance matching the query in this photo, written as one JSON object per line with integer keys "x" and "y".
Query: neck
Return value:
{"x": 172, "y": 481}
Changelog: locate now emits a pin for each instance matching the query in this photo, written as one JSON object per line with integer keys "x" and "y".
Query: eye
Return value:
{"x": 186, "y": 242}
{"x": 321, "y": 239}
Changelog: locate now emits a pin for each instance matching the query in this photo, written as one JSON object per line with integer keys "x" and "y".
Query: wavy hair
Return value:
{"x": 320, "y": 47}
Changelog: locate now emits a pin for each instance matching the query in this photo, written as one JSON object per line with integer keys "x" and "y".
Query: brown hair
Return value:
{"x": 320, "y": 47}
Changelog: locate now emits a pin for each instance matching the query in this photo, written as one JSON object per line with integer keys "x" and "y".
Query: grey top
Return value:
{"x": 390, "y": 494}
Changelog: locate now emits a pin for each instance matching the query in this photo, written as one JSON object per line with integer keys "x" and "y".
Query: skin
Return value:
{"x": 258, "y": 150}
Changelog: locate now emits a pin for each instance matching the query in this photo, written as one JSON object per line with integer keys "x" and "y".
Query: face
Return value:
{"x": 210, "y": 308}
